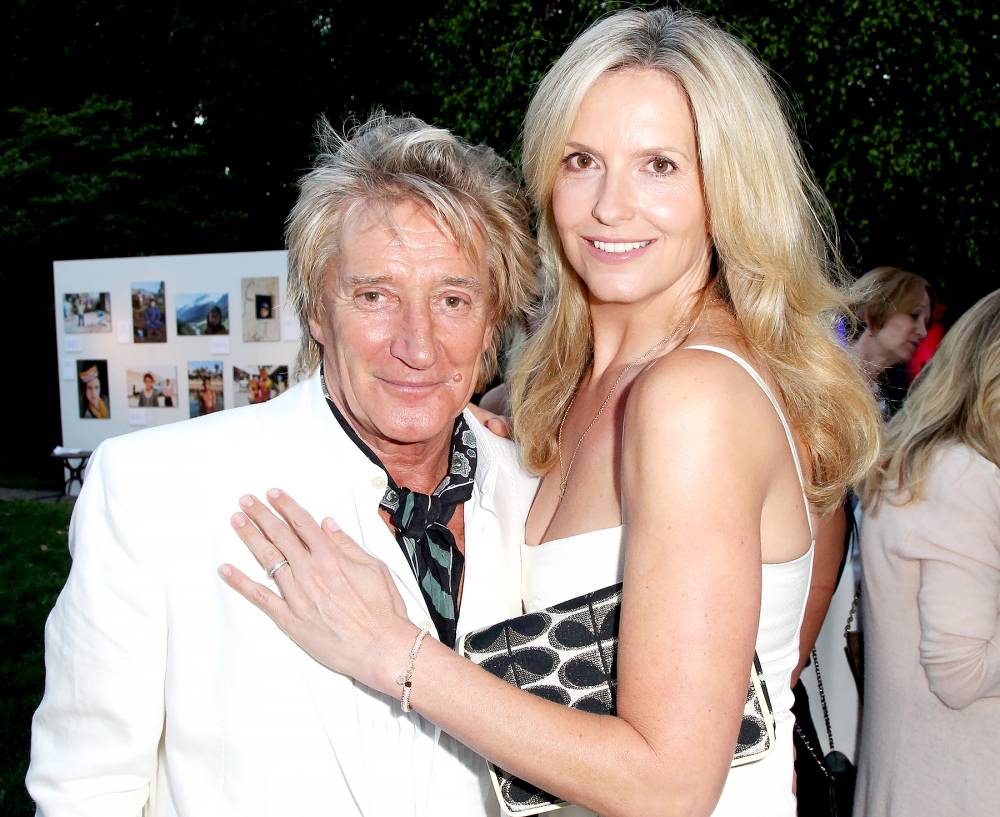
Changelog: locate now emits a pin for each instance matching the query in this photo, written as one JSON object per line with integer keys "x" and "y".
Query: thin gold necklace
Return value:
{"x": 564, "y": 478}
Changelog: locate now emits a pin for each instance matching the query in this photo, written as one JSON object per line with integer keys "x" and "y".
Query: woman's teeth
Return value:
{"x": 619, "y": 247}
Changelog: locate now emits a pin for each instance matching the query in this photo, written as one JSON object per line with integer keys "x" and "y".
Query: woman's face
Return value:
{"x": 628, "y": 200}
{"x": 902, "y": 332}
{"x": 94, "y": 391}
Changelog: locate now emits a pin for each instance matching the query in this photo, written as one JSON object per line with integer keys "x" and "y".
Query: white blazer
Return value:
{"x": 165, "y": 690}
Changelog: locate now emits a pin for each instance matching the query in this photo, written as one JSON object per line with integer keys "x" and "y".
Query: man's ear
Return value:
{"x": 316, "y": 330}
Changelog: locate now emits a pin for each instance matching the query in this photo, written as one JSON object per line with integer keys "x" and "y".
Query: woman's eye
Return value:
{"x": 579, "y": 161}
{"x": 454, "y": 302}
{"x": 370, "y": 297}
{"x": 661, "y": 165}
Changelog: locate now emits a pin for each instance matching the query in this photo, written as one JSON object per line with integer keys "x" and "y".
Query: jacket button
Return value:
{"x": 379, "y": 482}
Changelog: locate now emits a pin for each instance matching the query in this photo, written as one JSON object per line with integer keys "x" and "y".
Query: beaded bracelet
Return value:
{"x": 406, "y": 679}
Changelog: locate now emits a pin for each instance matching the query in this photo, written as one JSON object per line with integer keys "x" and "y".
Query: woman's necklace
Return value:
{"x": 564, "y": 478}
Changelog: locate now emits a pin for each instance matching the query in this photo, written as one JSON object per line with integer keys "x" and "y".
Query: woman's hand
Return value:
{"x": 337, "y": 602}
{"x": 496, "y": 423}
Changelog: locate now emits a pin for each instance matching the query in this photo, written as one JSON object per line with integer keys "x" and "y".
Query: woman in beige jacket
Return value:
{"x": 931, "y": 589}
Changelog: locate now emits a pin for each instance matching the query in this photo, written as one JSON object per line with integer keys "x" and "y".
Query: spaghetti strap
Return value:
{"x": 750, "y": 370}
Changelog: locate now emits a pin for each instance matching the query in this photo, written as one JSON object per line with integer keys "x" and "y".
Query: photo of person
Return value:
{"x": 205, "y": 387}
{"x": 92, "y": 385}
{"x": 258, "y": 384}
{"x": 203, "y": 313}
{"x": 151, "y": 388}
{"x": 86, "y": 312}
{"x": 260, "y": 301}
{"x": 148, "y": 308}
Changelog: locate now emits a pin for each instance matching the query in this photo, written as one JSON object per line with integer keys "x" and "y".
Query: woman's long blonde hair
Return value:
{"x": 955, "y": 398}
{"x": 776, "y": 266}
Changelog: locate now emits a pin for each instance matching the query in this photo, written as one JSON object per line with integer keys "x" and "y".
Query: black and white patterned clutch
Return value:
{"x": 566, "y": 653}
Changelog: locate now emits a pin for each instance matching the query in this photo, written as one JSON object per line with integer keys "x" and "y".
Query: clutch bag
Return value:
{"x": 566, "y": 653}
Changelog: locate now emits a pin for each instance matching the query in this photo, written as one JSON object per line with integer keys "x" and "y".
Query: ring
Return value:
{"x": 276, "y": 568}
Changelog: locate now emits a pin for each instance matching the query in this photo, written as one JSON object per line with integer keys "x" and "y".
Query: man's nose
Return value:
{"x": 414, "y": 342}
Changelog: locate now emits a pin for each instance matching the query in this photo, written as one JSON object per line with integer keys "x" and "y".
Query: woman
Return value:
{"x": 931, "y": 576}
{"x": 94, "y": 406}
{"x": 893, "y": 307}
{"x": 213, "y": 322}
{"x": 652, "y": 240}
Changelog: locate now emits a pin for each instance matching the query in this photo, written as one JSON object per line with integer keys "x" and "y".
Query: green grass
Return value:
{"x": 33, "y": 563}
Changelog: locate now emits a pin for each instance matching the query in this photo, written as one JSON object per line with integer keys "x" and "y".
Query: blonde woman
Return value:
{"x": 687, "y": 406}
{"x": 893, "y": 307}
{"x": 931, "y": 577}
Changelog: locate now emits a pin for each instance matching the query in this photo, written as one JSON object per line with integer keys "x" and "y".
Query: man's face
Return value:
{"x": 147, "y": 381}
{"x": 406, "y": 317}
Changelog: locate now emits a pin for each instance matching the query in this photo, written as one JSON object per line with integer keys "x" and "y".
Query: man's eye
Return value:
{"x": 371, "y": 297}
{"x": 454, "y": 302}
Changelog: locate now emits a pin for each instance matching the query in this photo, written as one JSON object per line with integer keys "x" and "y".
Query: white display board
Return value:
{"x": 112, "y": 310}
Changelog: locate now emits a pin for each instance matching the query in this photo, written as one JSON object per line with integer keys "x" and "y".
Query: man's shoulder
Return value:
{"x": 502, "y": 455}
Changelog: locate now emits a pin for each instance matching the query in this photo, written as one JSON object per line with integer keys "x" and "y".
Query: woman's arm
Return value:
{"x": 828, "y": 557}
{"x": 955, "y": 534}
{"x": 693, "y": 483}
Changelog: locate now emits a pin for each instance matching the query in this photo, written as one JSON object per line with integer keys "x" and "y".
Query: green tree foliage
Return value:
{"x": 97, "y": 180}
{"x": 486, "y": 56}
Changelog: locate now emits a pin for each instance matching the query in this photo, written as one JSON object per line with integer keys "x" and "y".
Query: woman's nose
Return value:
{"x": 614, "y": 202}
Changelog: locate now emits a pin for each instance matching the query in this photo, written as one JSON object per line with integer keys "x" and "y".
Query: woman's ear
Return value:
{"x": 870, "y": 321}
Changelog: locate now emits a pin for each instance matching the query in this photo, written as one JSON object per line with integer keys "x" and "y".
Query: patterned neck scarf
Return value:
{"x": 420, "y": 522}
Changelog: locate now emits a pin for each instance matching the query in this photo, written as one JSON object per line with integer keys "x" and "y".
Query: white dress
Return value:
{"x": 565, "y": 568}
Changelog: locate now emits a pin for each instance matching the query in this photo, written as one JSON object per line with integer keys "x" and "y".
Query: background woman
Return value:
{"x": 894, "y": 308}
{"x": 675, "y": 211}
{"x": 931, "y": 576}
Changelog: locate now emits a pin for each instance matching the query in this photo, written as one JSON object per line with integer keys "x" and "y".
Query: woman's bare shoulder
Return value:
{"x": 698, "y": 380}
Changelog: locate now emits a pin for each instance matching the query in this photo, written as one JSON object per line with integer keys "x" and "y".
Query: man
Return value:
{"x": 408, "y": 250}
{"x": 148, "y": 396}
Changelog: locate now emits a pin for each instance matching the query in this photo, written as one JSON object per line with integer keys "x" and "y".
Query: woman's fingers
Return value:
{"x": 298, "y": 521}
{"x": 259, "y": 596}
{"x": 345, "y": 544}
{"x": 496, "y": 423}
{"x": 288, "y": 542}
{"x": 271, "y": 559}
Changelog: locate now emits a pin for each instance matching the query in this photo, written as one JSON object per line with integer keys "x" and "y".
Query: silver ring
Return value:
{"x": 276, "y": 568}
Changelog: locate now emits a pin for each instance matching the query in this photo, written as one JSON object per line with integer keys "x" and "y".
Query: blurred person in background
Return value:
{"x": 894, "y": 308}
{"x": 931, "y": 578}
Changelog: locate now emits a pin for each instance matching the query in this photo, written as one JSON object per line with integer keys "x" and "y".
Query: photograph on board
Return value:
{"x": 86, "y": 312}
{"x": 154, "y": 387}
{"x": 148, "y": 312}
{"x": 205, "y": 387}
{"x": 202, "y": 313}
{"x": 260, "y": 309}
{"x": 258, "y": 384}
{"x": 92, "y": 386}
